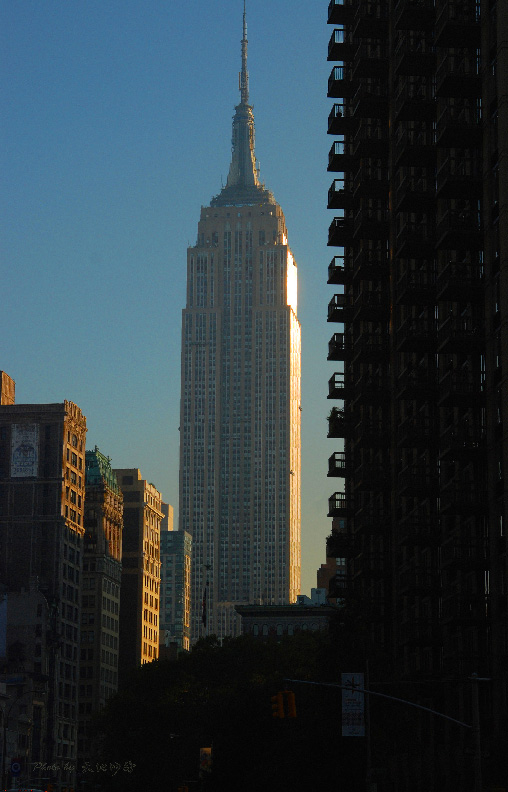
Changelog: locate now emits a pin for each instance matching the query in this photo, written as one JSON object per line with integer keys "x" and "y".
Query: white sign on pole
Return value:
{"x": 353, "y": 706}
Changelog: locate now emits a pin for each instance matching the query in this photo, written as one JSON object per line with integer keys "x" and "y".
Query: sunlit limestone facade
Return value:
{"x": 240, "y": 405}
{"x": 140, "y": 584}
{"x": 100, "y": 598}
{"x": 42, "y": 488}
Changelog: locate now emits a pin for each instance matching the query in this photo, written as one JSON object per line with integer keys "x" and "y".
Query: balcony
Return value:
{"x": 460, "y": 389}
{"x": 462, "y": 500}
{"x": 461, "y": 442}
{"x": 341, "y": 12}
{"x": 460, "y": 282}
{"x": 416, "y": 432}
{"x": 467, "y": 556}
{"x": 370, "y": 60}
{"x": 340, "y": 232}
{"x": 339, "y": 545}
{"x": 458, "y": 24}
{"x": 371, "y": 434}
{"x": 370, "y": 266}
{"x": 414, "y": 240}
{"x": 371, "y": 477}
{"x": 417, "y": 481}
{"x": 341, "y": 120}
{"x": 370, "y": 141}
{"x": 459, "y": 230}
{"x": 370, "y": 184}
{"x": 416, "y": 148}
{"x": 371, "y": 389}
{"x": 414, "y": 57}
{"x": 339, "y": 83}
{"x": 371, "y": 224}
{"x": 416, "y": 335}
{"x": 337, "y": 388}
{"x": 459, "y": 125}
{"x": 415, "y": 103}
{"x": 338, "y": 425}
{"x": 416, "y": 287}
{"x": 371, "y": 306}
{"x": 371, "y": 346}
{"x": 337, "y": 273}
{"x": 414, "y": 15}
{"x": 369, "y": 102}
{"x": 419, "y": 530}
{"x": 460, "y": 335}
{"x": 419, "y": 582}
{"x": 459, "y": 178}
{"x": 369, "y": 566}
{"x": 415, "y": 194}
{"x": 416, "y": 385}
{"x": 337, "y": 464}
{"x": 371, "y": 20}
{"x": 338, "y": 308}
{"x": 340, "y": 195}
{"x": 340, "y": 46}
{"x": 340, "y": 157}
{"x": 339, "y": 505}
{"x": 458, "y": 76}
{"x": 339, "y": 347}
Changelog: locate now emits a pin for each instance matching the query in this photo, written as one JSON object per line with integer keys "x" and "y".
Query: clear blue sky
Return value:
{"x": 117, "y": 129}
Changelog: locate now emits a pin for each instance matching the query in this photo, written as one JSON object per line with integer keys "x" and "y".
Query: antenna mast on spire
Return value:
{"x": 244, "y": 74}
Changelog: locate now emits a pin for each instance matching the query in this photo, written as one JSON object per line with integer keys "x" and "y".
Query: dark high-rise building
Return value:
{"x": 420, "y": 267}
{"x": 42, "y": 487}
{"x": 240, "y": 403}
{"x": 100, "y": 598}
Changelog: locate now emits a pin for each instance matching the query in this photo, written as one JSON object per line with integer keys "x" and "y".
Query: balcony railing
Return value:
{"x": 459, "y": 125}
{"x": 337, "y": 308}
{"x": 339, "y": 347}
{"x": 337, "y": 386}
{"x": 414, "y": 14}
{"x": 340, "y": 46}
{"x": 460, "y": 281}
{"x": 340, "y": 156}
{"x": 339, "y": 505}
{"x": 337, "y": 273}
{"x": 337, "y": 464}
{"x": 341, "y": 119}
{"x": 458, "y": 24}
{"x": 416, "y": 335}
{"x": 340, "y": 232}
{"x": 341, "y": 12}
{"x": 458, "y": 76}
{"x": 415, "y": 102}
{"x": 340, "y": 195}
{"x": 371, "y": 19}
{"x": 340, "y": 83}
{"x": 459, "y": 230}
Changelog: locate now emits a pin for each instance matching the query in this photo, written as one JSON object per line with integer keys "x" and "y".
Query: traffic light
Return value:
{"x": 291, "y": 704}
{"x": 278, "y": 705}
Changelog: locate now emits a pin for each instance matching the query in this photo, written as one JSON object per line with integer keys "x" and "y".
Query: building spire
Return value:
{"x": 243, "y": 185}
{"x": 244, "y": 74}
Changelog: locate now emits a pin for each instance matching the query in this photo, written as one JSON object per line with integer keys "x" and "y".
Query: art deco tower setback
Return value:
{"x": 240, "y": 401}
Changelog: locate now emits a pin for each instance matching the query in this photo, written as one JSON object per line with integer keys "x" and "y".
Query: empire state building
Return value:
{"x": 240, "y": 401}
